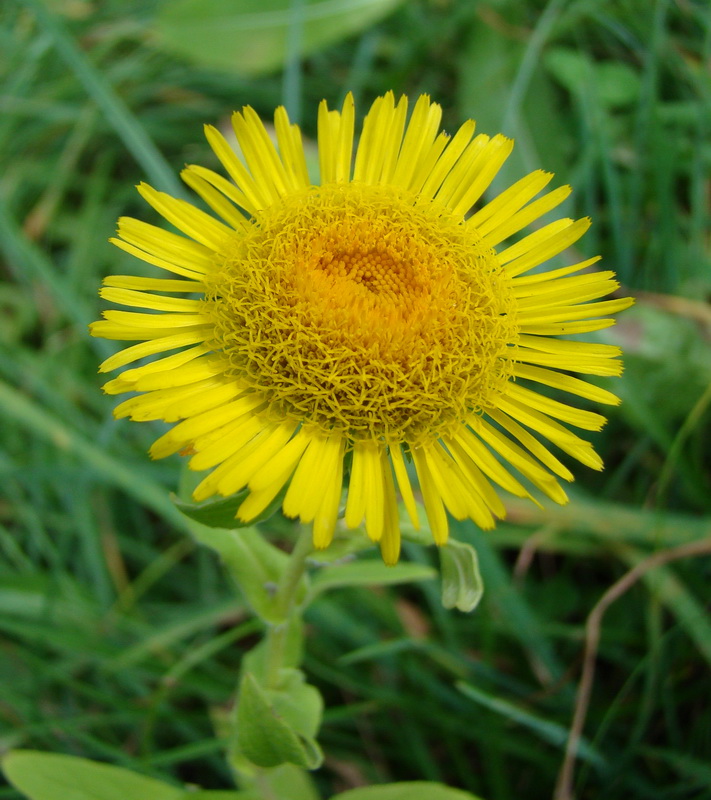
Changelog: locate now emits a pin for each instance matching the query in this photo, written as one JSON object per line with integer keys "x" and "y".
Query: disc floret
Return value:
{"x": 354, "y": 308}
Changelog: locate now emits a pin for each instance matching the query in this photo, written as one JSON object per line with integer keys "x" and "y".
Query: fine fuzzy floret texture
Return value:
{"x": 375, "y": 317}
{"x": 353, "y": 308}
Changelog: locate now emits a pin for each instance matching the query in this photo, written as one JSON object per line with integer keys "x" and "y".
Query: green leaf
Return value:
{"x": 114, "y": 109}
{"x": 549, "y": 731}
{"x": 572, "y": 69}
{"x": 300, "y": 704}
{"x": 265, "y": 737}
{"x": 386, "y": 649}
{"x": 618, "y": 84}
{"x": 369, "y": 572}
{"x": 506, "y": 92}
{"x": 222, "y": 513}
{"x": 615, "y": 84}
{"x": 517, "y": 614}
{"x": 255, "y": 564}
{"x": 50, "y": 776}
{"x": 215, "y": 513}
{"x": 217, "y": 794}
{"x": 284, "y": 781}
{"x": 462, "y": 586}
{"x": 412, "y": 790}
{"x": 290, "y": 781}
{"x": 257, "y": 36}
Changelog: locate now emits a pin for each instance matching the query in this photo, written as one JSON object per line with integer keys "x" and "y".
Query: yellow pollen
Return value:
{"x": 354, "y": 308}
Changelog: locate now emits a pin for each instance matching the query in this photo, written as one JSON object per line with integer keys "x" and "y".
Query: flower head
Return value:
{"x": 373, "y": 319}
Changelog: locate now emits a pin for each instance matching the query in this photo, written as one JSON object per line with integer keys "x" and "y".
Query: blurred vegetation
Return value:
{"x": 118, "y": 633}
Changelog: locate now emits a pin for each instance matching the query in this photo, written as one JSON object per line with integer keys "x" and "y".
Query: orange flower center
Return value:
{"x": 356, "y": 308}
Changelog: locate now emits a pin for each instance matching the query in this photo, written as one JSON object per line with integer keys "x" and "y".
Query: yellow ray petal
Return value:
{"x": 446, "y": 481}
{"x": 254, "y": 455}
{"x": 162, "y": 345}
{"x": 260, "y": 154}
{"x": 556, "y": 433}
{"x": 484, "y": 496}
{"x": 218, "y": 446}
{"x": 279, "y": 468}
{"x": 465, "y": 494}
{"x": 257, "y": 197}
{"x": 541, "y": 423}
{"x": 567, "y": 328}
{"x": 519, "y": 458}
{"x": 355, "y": 504}
{"x": 419, "y": 136}
{"x": 572, "y": 350}
{"x": 566, "y": 291}
{"x": 327, "y": 514}
{"x": 403, "y": 482}
{"x": 584, "y": 364}
{"x": 172, "y": 247}
{"x": 156, "y": 405}
{"x": 202, "y": 423}
{"x": 225, "y": 187}
{"x": 588, "y": 420}
{"x": 169, "y": 264}
{"x": 466, "y": 444}
{"x": 344, "y": 142}
{"x": 165, "y": 364}
{"x": 373, "y": 492}
{"x": 154, "y": 284}
{"x": 216, "y": 392}
{"x": 564, "y": 347}
{"x": 482, "y": 173}
{"x": 458, "y": 174}
{"x": 193, "y": 372}
{"x": 215, "y": 199}
{"x": 393, "y": 141}
{"x": 291, "y": 150}
{"x": 382, "y": 129}
{"x": 157, "y": 302}
{"x": 434, "y": 507}
{"x": 542, "y": 245}
{"x": 428, "y": 179}
{"x": 566, "y": 383}
{"x": 190, "y": 220}
{"x": 257, "y": 502}
{"x": 304, "y": 494}
{"x": 147, "y": 322}
{"x": 565, "y": 313}
{"x": 117, "y": 331}
{"x": 543, "y": 277}
{"x": 251, "y": 433}
{"x": 526, "y": 216}
{"x": 509, "y": 201}
{"x": 390, "y": 540}
{"x": 529, "y": 442}
{"x": 328, "y": 127}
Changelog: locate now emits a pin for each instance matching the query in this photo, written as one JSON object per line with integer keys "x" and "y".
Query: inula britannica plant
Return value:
{"x": 364, "y": 328}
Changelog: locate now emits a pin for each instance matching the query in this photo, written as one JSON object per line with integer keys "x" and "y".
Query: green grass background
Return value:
{"x": 120, "y": 639}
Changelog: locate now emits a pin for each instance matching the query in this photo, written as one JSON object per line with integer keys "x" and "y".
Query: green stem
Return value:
{"x": 285, "y": 596}
{"x": 286, "y": 603}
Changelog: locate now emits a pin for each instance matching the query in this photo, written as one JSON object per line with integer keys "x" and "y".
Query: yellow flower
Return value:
{"x": 370, "y": 319}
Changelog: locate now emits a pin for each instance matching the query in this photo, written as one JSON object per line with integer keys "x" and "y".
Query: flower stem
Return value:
{"x": 286, "y": 604}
